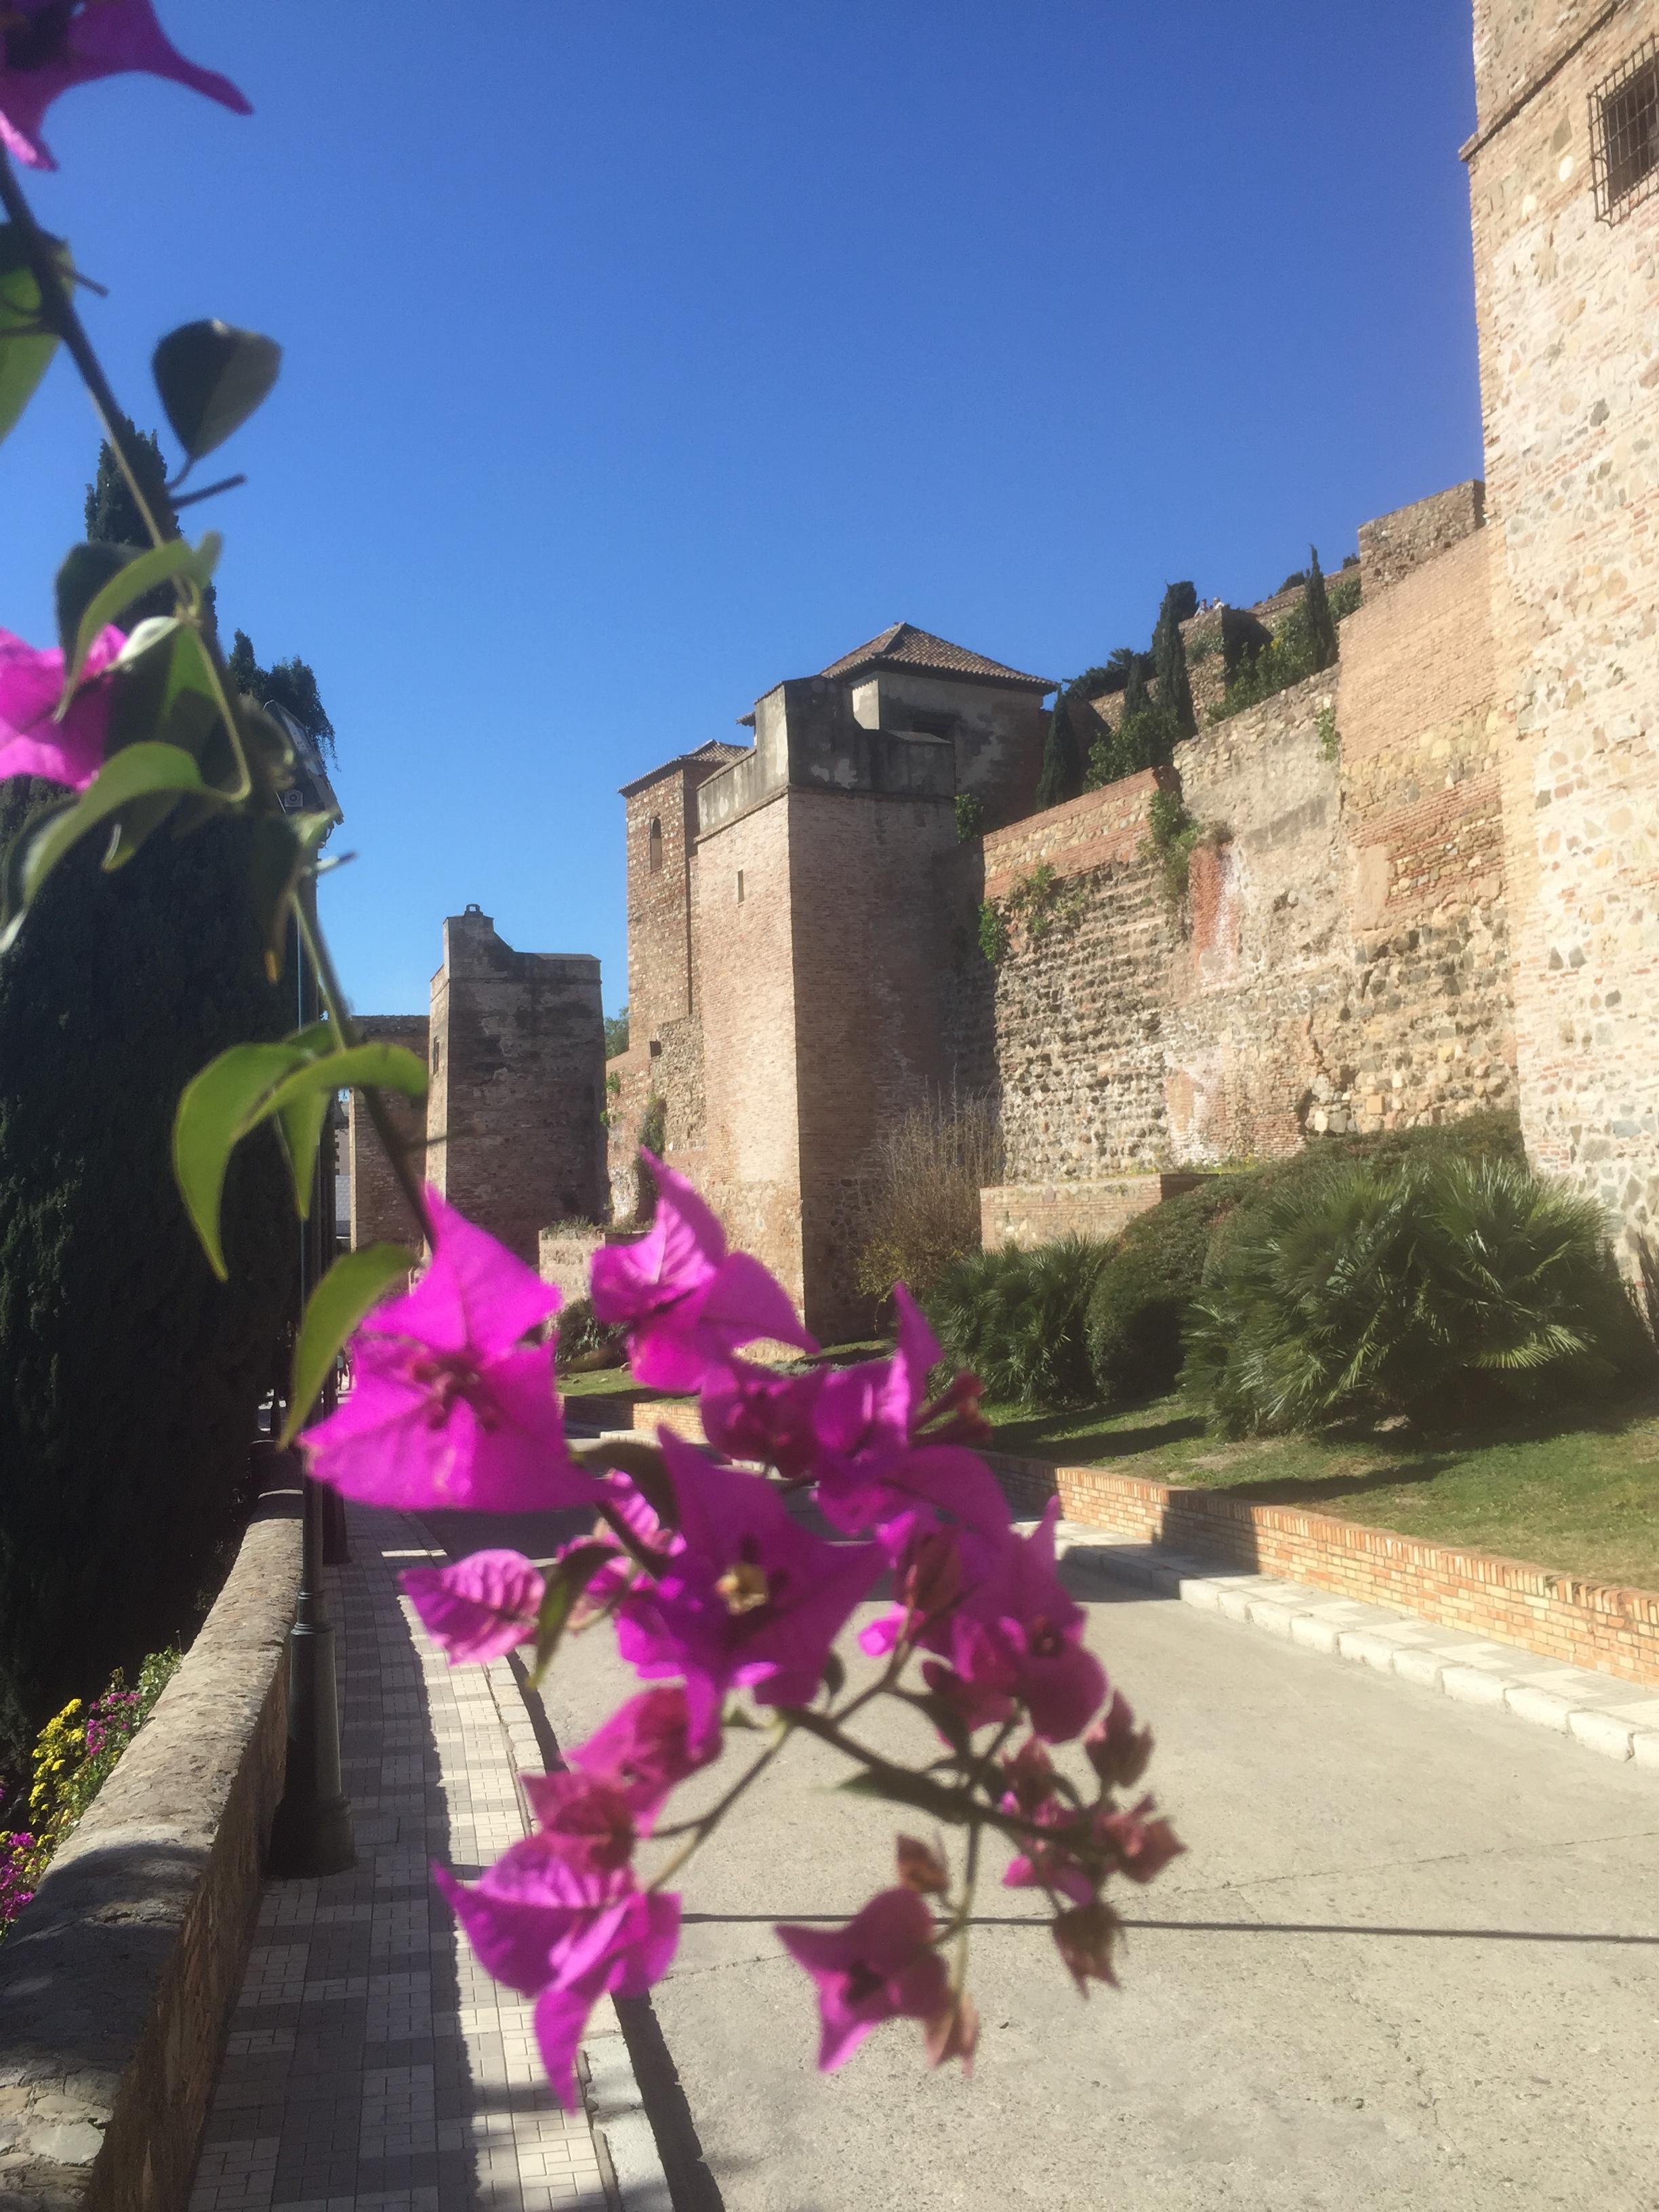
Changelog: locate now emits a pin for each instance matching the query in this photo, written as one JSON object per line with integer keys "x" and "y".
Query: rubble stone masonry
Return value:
{"x": 1339, "y": 959}
{"x": 379, "y": 1215}
{"x": 1567, "y": 299}
{"x": 517, "y": 1058}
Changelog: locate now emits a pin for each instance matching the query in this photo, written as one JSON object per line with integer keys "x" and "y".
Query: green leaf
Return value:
{"x": 26, "y": 351}
{"x": 128, "y": 776}
{"x": 130, "y": 581}
{"x": 252, "y": 1083}
{"x": 568, "y": 1579}
{"x": 215, "y": 1110}
{"x": 136, "y": 822}
{"x": 82, "y": 574}
{"x": 283, "y": 846}
{"x": 211, "y": 378}
{"x": 356, "y": 1281}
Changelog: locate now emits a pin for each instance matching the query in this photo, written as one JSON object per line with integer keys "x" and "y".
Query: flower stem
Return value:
{"x": 698, "y": 1831}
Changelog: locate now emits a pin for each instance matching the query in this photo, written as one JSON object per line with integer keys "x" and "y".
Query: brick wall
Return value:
{"x": 379, "y": 1214}
{"x": 1568, "y": 313}
{"x": 747, "y": 979}
{"x": 1339, "y": 959}
{"x": 870, "y": 946}
{"x": 1581, "y": 1623}
{"x": 517, "y": 1059}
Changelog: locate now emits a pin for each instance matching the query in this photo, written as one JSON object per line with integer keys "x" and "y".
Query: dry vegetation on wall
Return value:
{"x": 916, "y": 1207}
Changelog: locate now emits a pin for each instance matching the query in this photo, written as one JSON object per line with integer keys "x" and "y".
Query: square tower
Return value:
{"x": 1564, "y": 176}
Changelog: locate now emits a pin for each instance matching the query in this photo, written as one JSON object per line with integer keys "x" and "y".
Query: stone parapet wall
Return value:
{"x": 1029, "y": 1214}
{"x": 1392, "y": 545}
{"x": 117, "y": 1981}
{"x": 1582, "y": 1624}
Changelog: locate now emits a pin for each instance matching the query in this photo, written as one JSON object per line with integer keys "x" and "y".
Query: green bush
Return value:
{"x": 1159, "y": 1265}
{"x": 1451, "y": 1291}
{"x": 585, "y": 1341}
{"x": 129, "y": 1376}
{"x": 1152, "y": 1271}
{"x": 914, "y": 1203}
{"x": 1018, "y": 1319}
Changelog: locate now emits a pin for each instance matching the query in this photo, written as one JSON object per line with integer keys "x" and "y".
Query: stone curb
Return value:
{"x": 1618, "y": 1719}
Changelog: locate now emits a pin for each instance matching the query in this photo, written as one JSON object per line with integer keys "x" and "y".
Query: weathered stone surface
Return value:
{"x": 1567, "y": 302}
{"x": 116, "y": 1982}
{"x": 514, "y": 1134}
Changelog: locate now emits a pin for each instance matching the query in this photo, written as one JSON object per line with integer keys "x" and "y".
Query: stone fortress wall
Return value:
{"x": 1426, "y": 881}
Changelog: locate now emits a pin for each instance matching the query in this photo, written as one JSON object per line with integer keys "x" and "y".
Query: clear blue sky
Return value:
{"x": 638, "y": 355}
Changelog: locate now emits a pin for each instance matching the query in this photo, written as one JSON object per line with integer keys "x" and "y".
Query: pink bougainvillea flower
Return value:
{"x": 31, "y": 744}
{"x": 645, "y": 1749}
{"x": 1118, "y": 1752}
{"x": 565, "y": 1935}
{"x": 1015, "y": 1632}
{"x": 450, "y": 1409}
{"x": 48, "y": 46}
{"x": 1128, "y": 1842}
{"x": 589, "y": 1823}
{"x": 687, "y": 1303}
{"x": 747, "y": 1594}
{"x": 479, "y": 1608}
{"x": 868, "y": 1464}
{"x": 881, "y": 1965}
{"x": 751, "y": 1412}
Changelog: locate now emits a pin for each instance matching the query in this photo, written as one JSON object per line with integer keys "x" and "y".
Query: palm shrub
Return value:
{"x": 1018, "y": 1319}
{"x": 1449, "y": 1292}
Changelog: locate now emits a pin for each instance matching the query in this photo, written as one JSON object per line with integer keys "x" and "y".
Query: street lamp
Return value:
{"x": 311, "y": 1833}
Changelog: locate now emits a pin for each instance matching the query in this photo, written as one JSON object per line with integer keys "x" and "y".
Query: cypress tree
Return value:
{"x": 1316, "y": 613}
{"x": 289, "y": 684}
{"x": 129, "y": 1376}
{"x": 1175, "y": 691}
{"x": 1062, "y": 758}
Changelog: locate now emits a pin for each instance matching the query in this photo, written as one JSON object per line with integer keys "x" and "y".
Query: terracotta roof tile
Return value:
{"x": 904, "y": 646}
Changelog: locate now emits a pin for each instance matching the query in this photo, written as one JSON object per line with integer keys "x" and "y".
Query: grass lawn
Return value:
{"x": 1583, "y": 1500}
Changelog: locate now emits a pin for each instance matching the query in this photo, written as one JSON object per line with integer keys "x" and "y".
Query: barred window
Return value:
{"x": 1625, "y": 133}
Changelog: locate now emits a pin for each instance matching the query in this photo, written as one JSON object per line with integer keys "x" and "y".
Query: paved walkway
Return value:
{"x": 372, "y": 2066}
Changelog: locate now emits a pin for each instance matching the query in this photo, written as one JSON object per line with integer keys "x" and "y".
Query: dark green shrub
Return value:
{"x": 129, "y": 1376}
{"x": 585, "y": 1341}
{"x": 1018, "y": 1319}
{"x": 1157, "y": 1265}
{"x": 1061, "y": 777}
{"x": 1449, "y": 1291}
{"x": 1152, "y": 1271}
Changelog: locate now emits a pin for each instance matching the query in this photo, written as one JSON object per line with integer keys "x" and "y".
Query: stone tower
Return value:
{"x": 517, "y": 1060}
{"x": 788, "y": 946}
{"x": 1564, "y": 176}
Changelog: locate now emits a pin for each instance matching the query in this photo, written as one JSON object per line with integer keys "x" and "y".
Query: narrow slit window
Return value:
{"x": 654, "y": 848}
{"x": 739, "y": 886}
{"x": 1625, "y": 133}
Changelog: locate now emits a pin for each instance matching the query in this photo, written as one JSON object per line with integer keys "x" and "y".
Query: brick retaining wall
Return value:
{"x": 117, "y": 1982}
{"x": 1584, "y": 1624}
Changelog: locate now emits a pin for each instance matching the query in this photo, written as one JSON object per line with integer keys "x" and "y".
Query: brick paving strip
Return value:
{"x": 371, "y": 2065}
{"x": 1603, "y": 1712}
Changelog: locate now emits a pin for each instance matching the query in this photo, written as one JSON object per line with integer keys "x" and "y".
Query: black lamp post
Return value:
{"x": 311, "y": 1831}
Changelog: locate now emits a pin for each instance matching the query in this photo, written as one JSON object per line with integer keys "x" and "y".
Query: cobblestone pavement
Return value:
{"x": 372, "y": 2066}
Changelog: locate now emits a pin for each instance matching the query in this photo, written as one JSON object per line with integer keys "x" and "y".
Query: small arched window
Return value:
{"x": 654, "y": 848}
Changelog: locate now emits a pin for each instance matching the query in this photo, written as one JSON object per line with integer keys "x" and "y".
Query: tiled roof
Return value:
{"x": 904, "y": 646}
{"x": 717, "y": 750}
